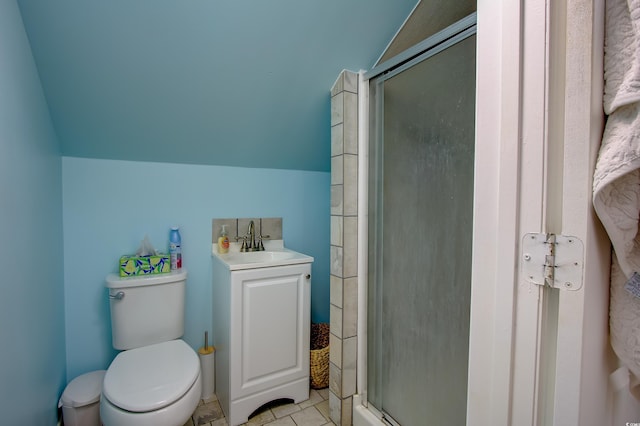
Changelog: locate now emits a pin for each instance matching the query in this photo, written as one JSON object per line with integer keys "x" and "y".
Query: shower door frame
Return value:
{"x": 534, "y": 162}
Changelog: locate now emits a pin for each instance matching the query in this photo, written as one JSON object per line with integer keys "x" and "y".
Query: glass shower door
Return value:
{"x": 420, "y": 235}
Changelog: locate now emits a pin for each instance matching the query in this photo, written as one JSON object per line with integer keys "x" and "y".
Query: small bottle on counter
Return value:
{"x": 175, "y": 249}
{"x": 223, "y": 241}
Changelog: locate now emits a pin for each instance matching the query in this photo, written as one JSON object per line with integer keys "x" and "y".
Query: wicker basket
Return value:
{"x": 319, "y": 356}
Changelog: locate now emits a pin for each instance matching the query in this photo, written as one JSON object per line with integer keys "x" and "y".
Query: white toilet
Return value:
{"x": 156, "y": 380}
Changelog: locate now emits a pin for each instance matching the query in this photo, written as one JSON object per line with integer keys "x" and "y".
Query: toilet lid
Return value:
{"x": 152, "y": 377}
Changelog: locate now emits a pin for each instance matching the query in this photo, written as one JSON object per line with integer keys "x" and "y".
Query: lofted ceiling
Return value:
{"x": 217, "y": 82}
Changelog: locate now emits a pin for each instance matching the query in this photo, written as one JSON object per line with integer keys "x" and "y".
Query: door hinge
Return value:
{"x": 553, "y": 260}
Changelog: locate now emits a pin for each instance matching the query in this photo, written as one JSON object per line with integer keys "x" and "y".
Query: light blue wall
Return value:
{"x": 32, "y": 354}
{"x": 110, "y": 205}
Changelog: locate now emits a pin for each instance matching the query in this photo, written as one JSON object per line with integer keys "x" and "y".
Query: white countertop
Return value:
{"x": 274, "y": 254}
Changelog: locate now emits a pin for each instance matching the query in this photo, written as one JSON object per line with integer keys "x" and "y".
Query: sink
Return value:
{"x": 274, "y": 255}
{"x": 260, "y": 256}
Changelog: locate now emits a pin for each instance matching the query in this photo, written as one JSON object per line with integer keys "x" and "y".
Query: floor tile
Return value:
{"x": 309, "y": 417}
{"x": 207, "y": 413}
{"x": 324, "y": 393}
{"x": 220, "y": 422}
{"x": 284, "y": 410}
{"x": 314, "y": 398}
{"x": 323, "y": 407}
{"x": 261, "y": 418}
{"x": 312, "y": 412}
{"x": 284, "y": 421}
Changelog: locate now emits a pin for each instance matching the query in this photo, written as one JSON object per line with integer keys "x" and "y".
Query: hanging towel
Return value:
{"x": 622, "y": 50}
{"x": 616, "y": 182}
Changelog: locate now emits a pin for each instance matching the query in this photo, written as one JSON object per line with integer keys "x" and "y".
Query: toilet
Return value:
{"x": 156, "y": 379}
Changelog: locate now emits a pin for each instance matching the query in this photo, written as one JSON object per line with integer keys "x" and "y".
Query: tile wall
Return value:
{"x": 344, "y": 247}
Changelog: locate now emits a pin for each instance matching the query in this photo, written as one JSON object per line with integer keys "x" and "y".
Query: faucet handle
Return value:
{"x": 260, "y": 246}
{"x": 244, "y": 244}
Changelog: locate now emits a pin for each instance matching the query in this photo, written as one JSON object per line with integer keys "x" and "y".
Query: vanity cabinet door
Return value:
{"x": 270, "y": 319}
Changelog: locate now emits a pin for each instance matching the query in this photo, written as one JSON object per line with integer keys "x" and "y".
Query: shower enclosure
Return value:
{"x": 535, "y": 355}
{"x": 420, "y": 214}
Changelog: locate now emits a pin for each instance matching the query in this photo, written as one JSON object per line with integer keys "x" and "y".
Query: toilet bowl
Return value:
{"x": 154, "y": 385}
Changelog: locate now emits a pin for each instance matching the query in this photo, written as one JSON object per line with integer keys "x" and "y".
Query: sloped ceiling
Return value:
{"x": 220, "y": 82}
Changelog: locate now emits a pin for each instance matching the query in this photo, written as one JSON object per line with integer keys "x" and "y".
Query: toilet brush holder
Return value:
{"x": 207, "y": 368}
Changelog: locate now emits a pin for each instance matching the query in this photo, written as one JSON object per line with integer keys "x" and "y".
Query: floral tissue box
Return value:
{"x": 144, "y": 265}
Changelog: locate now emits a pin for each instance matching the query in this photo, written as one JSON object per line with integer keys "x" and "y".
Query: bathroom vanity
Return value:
{"x": 261, "y": 321}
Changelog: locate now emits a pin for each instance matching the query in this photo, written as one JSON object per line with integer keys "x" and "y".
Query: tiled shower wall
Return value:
{"x": 344, "y": 247}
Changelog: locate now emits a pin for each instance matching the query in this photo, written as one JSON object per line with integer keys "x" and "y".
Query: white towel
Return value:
{"x": 616, "y": 183}
{"x": 622, "y": 53}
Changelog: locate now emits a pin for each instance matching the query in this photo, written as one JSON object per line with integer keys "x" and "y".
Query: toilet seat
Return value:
{"x": 175, "y": 414}
{"x": 152, "y": 377}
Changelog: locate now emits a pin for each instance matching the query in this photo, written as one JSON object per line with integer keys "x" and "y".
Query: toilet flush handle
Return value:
{"x": 119, "y": 295}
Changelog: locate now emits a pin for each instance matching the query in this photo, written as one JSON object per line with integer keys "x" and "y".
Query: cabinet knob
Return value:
{"x": 308, "y": 276}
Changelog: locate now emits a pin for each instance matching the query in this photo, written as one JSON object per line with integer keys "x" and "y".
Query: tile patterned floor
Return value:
{"x": 312, "y": 412}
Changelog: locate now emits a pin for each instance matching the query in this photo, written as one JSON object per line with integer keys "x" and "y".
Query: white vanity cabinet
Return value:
{"x": 261, "y": 322}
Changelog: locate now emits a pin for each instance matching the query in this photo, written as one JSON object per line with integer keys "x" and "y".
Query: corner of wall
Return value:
{"x": 32, "y": 306}
{"x": 344, "y": 247}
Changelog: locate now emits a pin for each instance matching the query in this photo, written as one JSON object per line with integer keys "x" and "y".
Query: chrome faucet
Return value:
{"x": 251, "y": 235}
{"x": 251, "y": 244}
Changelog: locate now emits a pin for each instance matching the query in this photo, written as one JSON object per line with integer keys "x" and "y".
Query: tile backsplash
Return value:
{"x": 269, "y": 228}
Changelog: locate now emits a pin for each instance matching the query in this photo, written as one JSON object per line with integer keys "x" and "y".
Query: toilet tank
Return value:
{"x": 146, "y": 309}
